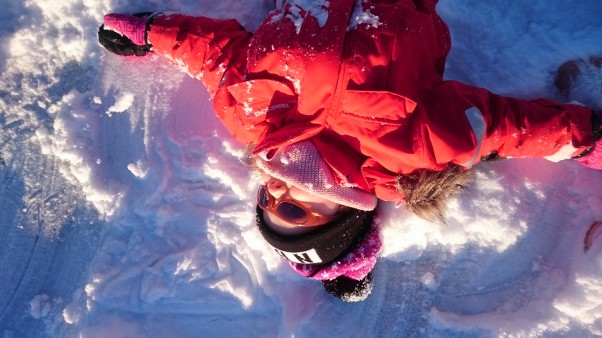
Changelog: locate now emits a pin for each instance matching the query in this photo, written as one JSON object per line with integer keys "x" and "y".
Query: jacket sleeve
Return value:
{"x": 461, "y": 123}
{"x": 206, "y": 48}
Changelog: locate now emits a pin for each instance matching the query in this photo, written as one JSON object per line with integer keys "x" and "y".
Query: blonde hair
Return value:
{"x": 427, "y": 192}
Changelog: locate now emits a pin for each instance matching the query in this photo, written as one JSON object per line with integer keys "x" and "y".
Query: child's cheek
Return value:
{"x": 301, "y": 195}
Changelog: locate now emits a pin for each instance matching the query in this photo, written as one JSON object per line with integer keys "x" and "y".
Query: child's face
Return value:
{"x": 314, "y": 204}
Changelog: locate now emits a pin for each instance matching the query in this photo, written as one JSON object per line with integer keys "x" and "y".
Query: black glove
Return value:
{"x": 597, "y": 124}
{"x": 120, "y": 44}
{"x": 349, "y": 290}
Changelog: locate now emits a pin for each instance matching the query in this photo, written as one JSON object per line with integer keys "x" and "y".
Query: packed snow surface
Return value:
{"x": 125, "y": 211}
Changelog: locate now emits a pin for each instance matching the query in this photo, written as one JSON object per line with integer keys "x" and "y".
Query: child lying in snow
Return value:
{"x": 344, "y": 103}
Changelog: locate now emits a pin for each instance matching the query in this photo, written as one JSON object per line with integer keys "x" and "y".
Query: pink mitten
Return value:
{"x": 593, "y": 159}
{"x": 132, "y": 27}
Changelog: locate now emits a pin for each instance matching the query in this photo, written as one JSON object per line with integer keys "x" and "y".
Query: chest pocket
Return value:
{"x": 373, "y": 112}
{"x": 377, "y": 106}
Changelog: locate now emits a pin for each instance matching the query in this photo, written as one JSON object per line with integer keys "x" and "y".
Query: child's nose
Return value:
{"x": 276, "y": 187}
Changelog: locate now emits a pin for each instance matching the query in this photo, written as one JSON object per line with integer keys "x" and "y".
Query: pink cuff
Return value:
{"x": 594, "y": 158}
{"x": 132, "y": 27}
{"x": 356, "y": 264}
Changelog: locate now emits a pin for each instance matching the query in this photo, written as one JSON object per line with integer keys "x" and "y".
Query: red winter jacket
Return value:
{"x": 365, "y": 85}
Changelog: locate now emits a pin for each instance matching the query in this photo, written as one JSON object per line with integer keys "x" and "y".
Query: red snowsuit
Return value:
{"x": 366, "y": 89}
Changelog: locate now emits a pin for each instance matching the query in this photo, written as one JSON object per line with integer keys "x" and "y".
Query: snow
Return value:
{"x": 362, "y": 16}
{"x": 122, "y": 104}
{"x": 125, "y": 210}
{"x": 301, "y": 9}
